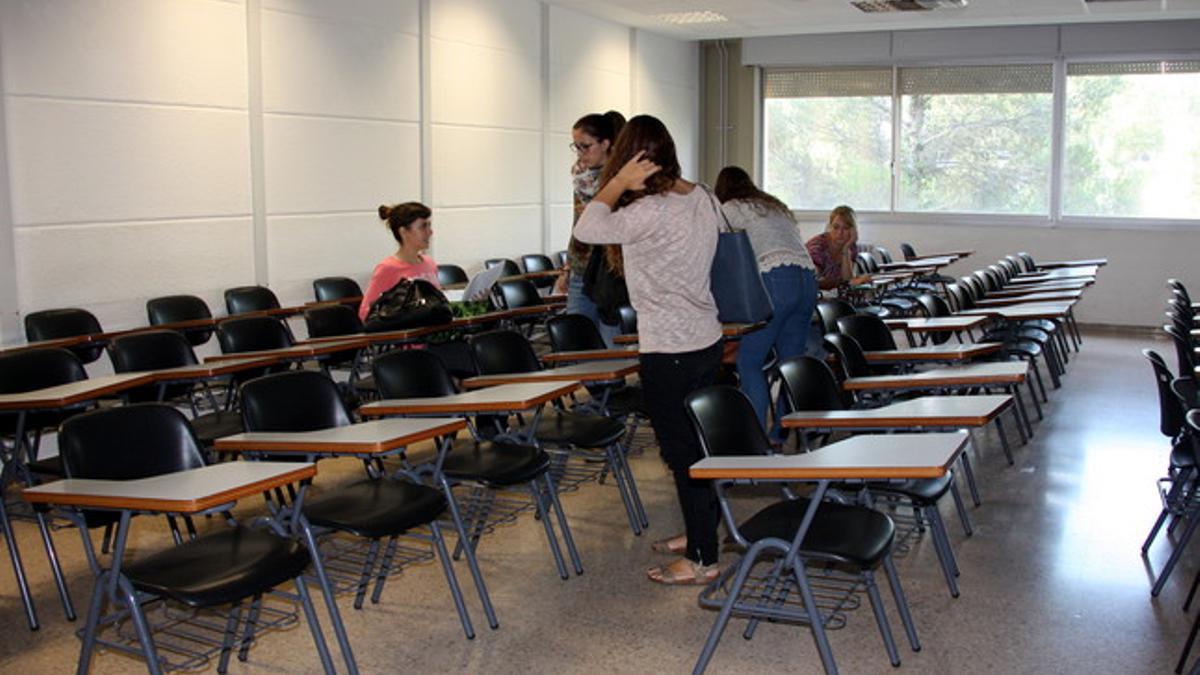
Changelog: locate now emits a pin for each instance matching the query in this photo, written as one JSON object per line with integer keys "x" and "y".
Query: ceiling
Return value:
{"x": 785, "y": 17}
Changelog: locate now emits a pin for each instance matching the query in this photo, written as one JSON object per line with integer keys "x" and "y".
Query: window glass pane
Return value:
{"x": 976, "y": 139}
{"x": 1131, "y": 146}
{"x": 823, "y": 151}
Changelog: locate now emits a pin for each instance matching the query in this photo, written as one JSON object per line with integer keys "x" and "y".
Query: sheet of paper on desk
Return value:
{"x": 454, "y": 295}
{"x": 481, "y": 284}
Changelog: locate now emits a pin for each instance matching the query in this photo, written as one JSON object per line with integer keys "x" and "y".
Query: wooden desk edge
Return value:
{"x": 359, "y": 447}
{"x": 818, "y": 473}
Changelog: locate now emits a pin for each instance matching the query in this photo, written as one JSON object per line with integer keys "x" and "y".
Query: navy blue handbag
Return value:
{"x": 737, "y": 286}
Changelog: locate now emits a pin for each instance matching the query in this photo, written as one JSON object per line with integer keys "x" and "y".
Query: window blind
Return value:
{"x": 828, "y": 82}
{"x": 999, "y": 79}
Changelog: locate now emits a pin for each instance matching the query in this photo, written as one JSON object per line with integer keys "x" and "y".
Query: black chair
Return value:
{"x": 332, "y": 321}
{"x": 154, "y": 350}
{"x": 832, "y": 310}
{"x": 936, "y": 306}
{"x": 50, "y": 324}
{"x": 176, "y": 308}
{"x": 328, "y": 289}
{"x": 500, "y": 352}
{"x": 907, "y": 250}
{"x": 517, "y": 293}
{"x": 842, "y": 541}
{"x": 246, "y": 299}
{"x": 252, "y": 333}
{"x": 627, "y": 319}
{"x": 561, "y": 258}
{"x": 373, "y": 508}
{"x": 849, "y": 355}
{"x": 451, "y": 274}
{"x": 511, "y": 269}
{"x": 231, "y": 565}
{"x": 884, "y": 255}
{"x": 487, "y": 466}
{"x": 536, "y": 262}
{"x": 871, "y": 332}
{"x": 576, "y": 332}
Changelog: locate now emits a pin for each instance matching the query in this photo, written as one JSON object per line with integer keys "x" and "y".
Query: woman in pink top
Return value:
{"x": 412, "y": 227}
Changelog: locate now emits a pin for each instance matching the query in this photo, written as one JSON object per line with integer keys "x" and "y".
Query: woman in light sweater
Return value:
{"x": 667, "y": 228}
{"x": 787, "y": 272}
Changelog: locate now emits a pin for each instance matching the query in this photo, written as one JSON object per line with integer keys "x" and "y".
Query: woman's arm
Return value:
{"x": 599, "y": 224}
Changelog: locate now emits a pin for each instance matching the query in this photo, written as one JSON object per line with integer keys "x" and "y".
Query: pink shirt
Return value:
{"x": 389, "y": 272}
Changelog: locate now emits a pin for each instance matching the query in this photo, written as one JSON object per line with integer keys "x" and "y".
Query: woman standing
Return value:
{"x": 591, "y": 139}
{"x": 667, "y": 228}
{"x": 787, "y": 272}
{"x": 412, "y": 228}
{"x": 833, "y": 251}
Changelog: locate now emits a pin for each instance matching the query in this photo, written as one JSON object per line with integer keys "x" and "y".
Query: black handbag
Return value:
{"x": 736, "y": 284}
{"x": 411, "y": 303}
{"x": 606, "y": 288}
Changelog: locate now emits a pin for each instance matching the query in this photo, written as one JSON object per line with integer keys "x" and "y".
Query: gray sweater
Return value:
{"x": 775, "y": 237}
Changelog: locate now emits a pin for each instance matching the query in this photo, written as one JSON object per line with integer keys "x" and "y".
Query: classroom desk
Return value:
{"x": 504, "y": 398}
{"x": 934, "y": 353}
{"x": 589, "y": 355}
{"x": 1055, "y": 264}
{"x": 56, "y": 343}
{"x": 730, "y": 331}
{"x": 590, "y": 372}
{"x": 386, "y": 337}
{"x": 925, "y": 327}
{"x": 1062, "y": 273}
{"x": 298, "y": 352}
{"x": 899, "y": 456}
{"x": 957, "y": 255}
{"x": 1024, "y": 311}
{"x": 928, "y": 261}
{"x": 1044, "y": 287}
{"x": 186, "y": 492}
{"x": 1042, "y": 296}
{"x": 353, "y": 300}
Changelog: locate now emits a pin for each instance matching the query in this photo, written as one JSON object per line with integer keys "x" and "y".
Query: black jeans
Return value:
{"x": 666, "y": 380}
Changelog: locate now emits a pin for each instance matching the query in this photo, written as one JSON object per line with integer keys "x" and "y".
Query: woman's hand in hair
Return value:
{"x": 632, "y": 176}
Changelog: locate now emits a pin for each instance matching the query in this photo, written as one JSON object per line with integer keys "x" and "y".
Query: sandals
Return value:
{"x": 694, "y": 574}
{"x": 664, "y": 546}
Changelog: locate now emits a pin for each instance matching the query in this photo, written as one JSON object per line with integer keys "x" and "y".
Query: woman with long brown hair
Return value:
{"x": 667, "y": 228}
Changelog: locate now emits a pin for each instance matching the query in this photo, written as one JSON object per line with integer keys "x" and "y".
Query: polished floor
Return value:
{"x": 1052, "y": 580}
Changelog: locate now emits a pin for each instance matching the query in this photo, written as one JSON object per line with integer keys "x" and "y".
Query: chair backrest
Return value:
{"x": 999, "y": 273}
{"x": 128, "y": 442}
{"x": 1179, "y": 289}
{"x": 510, "y": 268}
{"x": 536, "y": 262}
{"x": 725, "y": 423}
{"x": 252, "y": 333}
{"x": 561, "y": 257}
{"x": 1187, "y": 391}
{"x": 297, "y": 400}
{"x": 573, "y": 332}
{"x": 243, "y": 299}
{"x": 332, "y": 320}
{"x": 1011, "y": 265}
{"x": 1170, "y": 412}
{"x": 988, "y": 279}
{"x": 870, "y": 332}
{"x": 1184, "y": 349}
{"x": 517, "y": 293}
{"x": 908, "y": 251}
{"x": 870, "y": 265}
{"x": 50, "y": 324}
{"x": 1180, "y": 307}
{"x": 38, "y": 368}
{"x": 173, "y": 308}
{"x": 1030, "y": 265}
{"x": 934, "y": 305}
{"x": 328, "y": 289}
{"x": 503, "y": 351}
{"x": 884, "y": 255}
{"x": 451, "y": 274}
{"x": 973, "y": 290}
{"x": 627, "y": 319}
{"x": 151, "y": 350}
{"x": 412, "y": 373}
{"x": 810, "y": 385}
{"x": 832, "y": 310}
{"x": 849, "y": 353}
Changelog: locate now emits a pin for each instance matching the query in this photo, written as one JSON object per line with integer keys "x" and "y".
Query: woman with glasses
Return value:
{"x": 592, "y": 137}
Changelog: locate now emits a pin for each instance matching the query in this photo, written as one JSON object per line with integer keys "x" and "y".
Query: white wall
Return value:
{"x": 187, "y": 146}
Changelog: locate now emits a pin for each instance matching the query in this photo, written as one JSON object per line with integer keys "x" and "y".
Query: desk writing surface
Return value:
{"x": 858, "y": 457}
{"x": 371, "y": 437}
{"x": 590, "y": 355}
{"x": 1041, "y": 296}
{"x": 1044, "y": 287}
{"x": 945, "y": 254}
{"x": 946, "y": 352}
{"x": 1032, "y": 310}
{"x": 1090, "y": 262}
{"x": 926, "y": 411}
{"x": 937, "y": 324}
{"x": 381, "y": 337}
{"x": 74, "y": 392}
{"x": 928, "y": 261}
{"x": 592, "y": 371}
{"x": 56, "y": 343}
{"x": 197, "y": 371}
{"x": 500, "y": 398}
{"x": 181, "y": 492}
{"x": 300, "y": 351}
{"x": 1001, "y": 373}
{"x": 1061, "y": 273}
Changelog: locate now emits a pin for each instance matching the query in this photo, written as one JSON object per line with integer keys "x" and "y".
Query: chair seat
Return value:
{"x": 584, "y": 431}
{"x": 51, "y": 466}
{"x": 375, "y": 508}
{"x": 219, "y": 568}
{"x": 497, "y": 464}
{"x": 214, "y": 425}
{"x": 922, "y": 491}
{"x": 849, "y": 534}
{"x": 626, "y": 400}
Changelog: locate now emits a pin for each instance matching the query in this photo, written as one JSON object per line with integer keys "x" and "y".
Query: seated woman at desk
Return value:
{"x": 833, "y": 251}
{"x": 412, "y": 227}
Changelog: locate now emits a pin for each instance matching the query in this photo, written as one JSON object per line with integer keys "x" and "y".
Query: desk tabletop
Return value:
{"x": 1061, "y": 273}
{"x": 503, "y": 315}
{"x": 1044, "y": 287}
{"x": 307, "y": 350}
{"x": 947, "y": 254}
{"x": 590, "y": 355}
{"x": 926, "y": 411}
{"x": 56, "y": 343}
{"x": 591, "y": 371}
{"x": 925, "y": 261}
{"x": 348, "y": 300}
{"x": 937, "y": 324}
{"x": 367, "y": 438}
{"x": 1031, "y": 310}
{"x": 199, "y": 371}
{"x": 729, "y": 330}
{"x": 71, "y": 393}
{"x": 946, "y": 352}
{"x": 999, "y": 373}
{"x": 1089, "y": 262}
{"x": 382, "y": 337}
{"x": 501, "y": 398}
{"x": 858, "y": 457}
{"x": 182, "y": 492}
{"x": 1042, "y": 296}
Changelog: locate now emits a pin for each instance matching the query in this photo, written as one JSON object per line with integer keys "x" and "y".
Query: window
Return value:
{"x": 828, "y": 137}
{"x": 1131, "y": 146}
{"x": 976, "y": 139}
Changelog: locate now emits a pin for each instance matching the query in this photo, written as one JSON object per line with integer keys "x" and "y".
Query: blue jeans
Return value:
{"x": 793, "y": 291}
{"x": 578, "y": 303}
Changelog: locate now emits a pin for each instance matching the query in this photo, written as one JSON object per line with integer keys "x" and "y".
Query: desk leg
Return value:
{"x": 14, "y": 555}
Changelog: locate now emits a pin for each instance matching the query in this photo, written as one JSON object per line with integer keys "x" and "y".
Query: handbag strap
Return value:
{"x": 712, "y": 200}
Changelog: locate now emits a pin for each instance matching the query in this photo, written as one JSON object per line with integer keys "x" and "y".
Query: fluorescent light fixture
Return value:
{"x": 698, "y": 16}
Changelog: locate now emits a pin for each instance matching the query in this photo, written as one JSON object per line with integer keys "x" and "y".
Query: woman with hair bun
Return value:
{"x": 592, "y": 138}
{"x": 412, "y": 227}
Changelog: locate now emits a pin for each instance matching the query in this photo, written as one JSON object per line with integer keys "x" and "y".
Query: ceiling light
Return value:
{"x": 698, "y": 16}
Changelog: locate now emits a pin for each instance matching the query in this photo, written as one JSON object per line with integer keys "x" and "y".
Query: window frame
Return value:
{"x": 1055, "y": 217}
